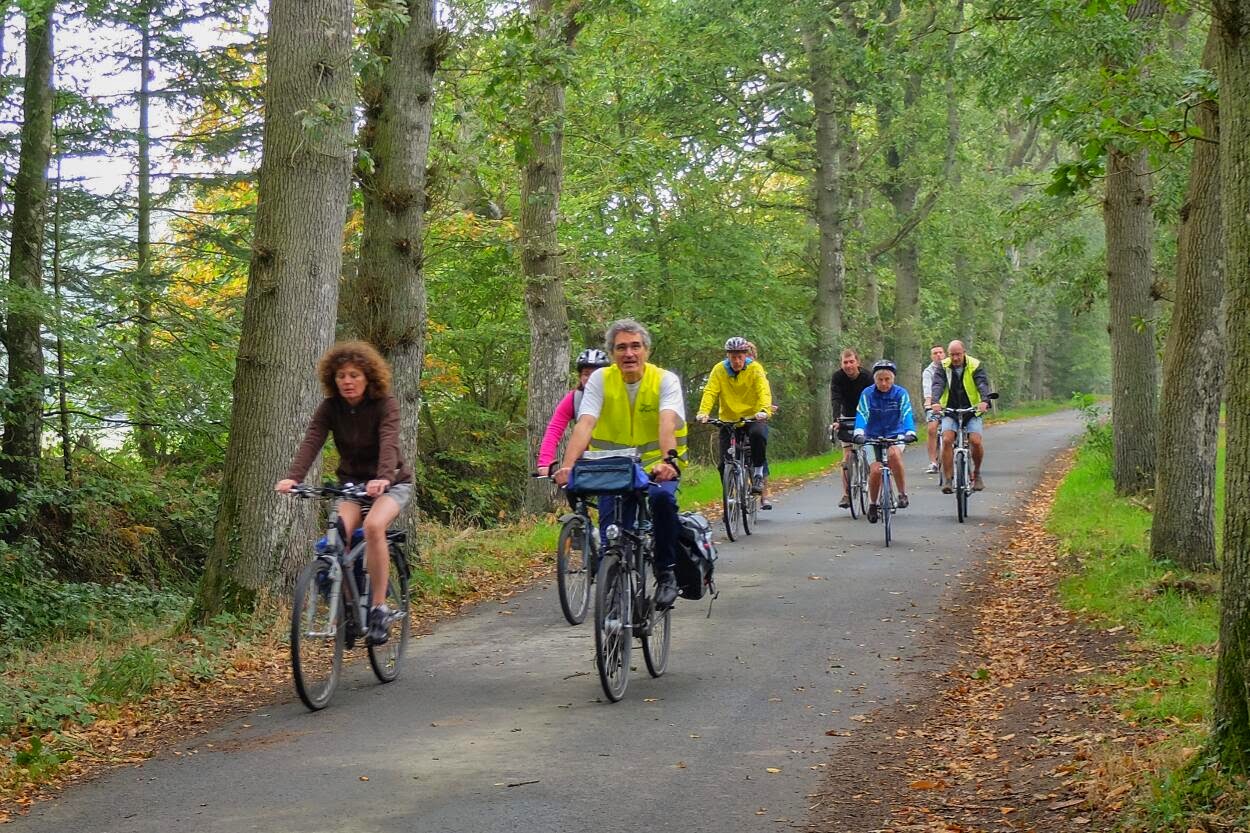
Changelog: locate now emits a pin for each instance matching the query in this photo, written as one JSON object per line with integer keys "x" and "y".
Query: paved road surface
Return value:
{"x": 817, "y": 624}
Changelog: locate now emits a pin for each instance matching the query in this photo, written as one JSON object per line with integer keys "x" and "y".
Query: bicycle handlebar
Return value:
{"x": 898, "y": 439}
{"x": 735, "y": 424}
{"x": 347, "y": 490}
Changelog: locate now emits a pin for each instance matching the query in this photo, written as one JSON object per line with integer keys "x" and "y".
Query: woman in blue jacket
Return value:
{"x": 885, "y": 411}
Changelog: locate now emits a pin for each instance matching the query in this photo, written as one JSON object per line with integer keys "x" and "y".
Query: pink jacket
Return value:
{"x": 555, "y": 430}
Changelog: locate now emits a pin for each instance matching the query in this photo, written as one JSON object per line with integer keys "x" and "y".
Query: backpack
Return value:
{"x": 696, "y": 556}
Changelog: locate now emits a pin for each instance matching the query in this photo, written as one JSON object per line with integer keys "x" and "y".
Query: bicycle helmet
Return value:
{"x": 737, "y": 344}
{"x": 592, "y": 357}
{"x": 884, "y": 364}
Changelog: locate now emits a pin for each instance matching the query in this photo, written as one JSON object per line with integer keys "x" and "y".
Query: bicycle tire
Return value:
{"x": 961, "y": 488}
{"x": 385, "y": 659}
{"x": 573, "y": 569}
{"x": 863, "y": 487}
{"x": 316, "y": 662}
{"x": 750, "y": 506}
{"x": 887, "y": 501}
{"x": 613, "y": 632}
{"x": 655, "y": 642}
{"x": 851, "y": 483}
{"x": 729, "y": 499}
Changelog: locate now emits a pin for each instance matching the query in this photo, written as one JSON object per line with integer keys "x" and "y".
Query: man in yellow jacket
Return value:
{"x": 637, "y": 406}
{"x": 739, "y": 388}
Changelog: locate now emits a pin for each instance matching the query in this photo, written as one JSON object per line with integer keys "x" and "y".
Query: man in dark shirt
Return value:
{"x": 844, "y": 389}
{"x": 962, "y": 383}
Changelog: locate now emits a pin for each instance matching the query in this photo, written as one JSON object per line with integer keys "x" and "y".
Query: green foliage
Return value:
{"x": 131, "y": 675}
{"x": 38, "y": 761}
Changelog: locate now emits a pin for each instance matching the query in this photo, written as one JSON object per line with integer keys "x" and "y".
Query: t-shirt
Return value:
{"x": 845, "y": 391}
{"x": 670, "y": 394}
{"x": 959, "y": 394}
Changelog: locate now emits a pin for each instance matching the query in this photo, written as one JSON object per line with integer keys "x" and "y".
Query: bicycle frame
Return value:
{"x": 637, "y": 547}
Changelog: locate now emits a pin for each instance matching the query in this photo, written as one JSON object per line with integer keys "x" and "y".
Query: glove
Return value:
{"x": 761, "y": 415}
{"x": 859, "y": 437}
{"x": 909, "y": 437}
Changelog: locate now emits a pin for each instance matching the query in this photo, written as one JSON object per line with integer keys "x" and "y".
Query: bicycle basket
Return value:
{"x": 606, "y": 476}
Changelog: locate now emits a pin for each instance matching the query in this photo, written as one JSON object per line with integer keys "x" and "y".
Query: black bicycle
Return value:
{"x": 961, "y": 473}
{"x": 329, "y": 612}
{"x": 887, "y": 500}
{"x": 855, "y": 475}
{"x": 740, "y": 504}
{"x": 625, "y": 592}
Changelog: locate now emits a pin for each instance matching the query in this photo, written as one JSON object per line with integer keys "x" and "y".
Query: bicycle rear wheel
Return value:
{"x": 614, "y": 637}
{"x": 316, "y": 640}
{"x": 730, "y": 493}
{"x": 573, "y": 568}
{"x": 385, "y": 658}
{"x": 656, "y": 641}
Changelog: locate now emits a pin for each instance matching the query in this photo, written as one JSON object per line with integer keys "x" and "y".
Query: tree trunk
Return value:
{"x": 829, "y": 202}
{"x": 1231, "y": 732}
{"x": 387, "y": 301}
{"x": 144, "y": 290}
{"x": 1193, "y": 363}
{"x": 67, "y": 458}
{"x": 292, "y": 295}
{"x": 1129, "y": 223}
{"x": 545, "y": 307}
{"x": 23, "y": 418}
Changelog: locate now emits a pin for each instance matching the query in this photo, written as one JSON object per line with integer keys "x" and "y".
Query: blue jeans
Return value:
{"x": 662, "y": 498}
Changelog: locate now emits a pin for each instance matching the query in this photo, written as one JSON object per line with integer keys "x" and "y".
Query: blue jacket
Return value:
{"x": 884, "y": 414}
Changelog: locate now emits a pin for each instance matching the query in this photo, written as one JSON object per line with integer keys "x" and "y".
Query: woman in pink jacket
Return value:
{"x": 588, "y": 361}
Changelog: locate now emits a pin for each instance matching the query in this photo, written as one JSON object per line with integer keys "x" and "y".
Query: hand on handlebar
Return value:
{"x": 375, "y": 488}
{"x": 702, "y": 418}
{"x": 761, "y": 416}
{"x": 285, "y": 486}
{"x": 982, "y": 406}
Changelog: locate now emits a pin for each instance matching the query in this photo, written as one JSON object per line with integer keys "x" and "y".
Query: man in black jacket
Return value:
{"x": 847, "y": 384}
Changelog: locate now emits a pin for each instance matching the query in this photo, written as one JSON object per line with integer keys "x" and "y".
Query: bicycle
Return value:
{"x": 577, "y": 557}
{"x": 739, "y": 502}
{"x": 961, "y": 470}
{"x": 887, "y": 501}
{"x": 625, "y": 593}
{"x": 855, "y": 475}
{"x": 328, "y": 613}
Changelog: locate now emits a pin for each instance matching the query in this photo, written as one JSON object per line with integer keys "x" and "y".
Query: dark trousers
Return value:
{"x": 662, "y": 499}
{"x": 758, "y": 432}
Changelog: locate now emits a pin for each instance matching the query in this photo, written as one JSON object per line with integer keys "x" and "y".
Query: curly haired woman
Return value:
{"x": 363, "y": 416}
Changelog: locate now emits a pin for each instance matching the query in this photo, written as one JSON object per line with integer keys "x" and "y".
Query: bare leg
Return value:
{"x": 377, "y": 559}
{"x": 874, "y": 482}
{"x": 978, "y": 451}
{"x": 349, "y": 514}
{"x": 948, "y": 455}
{"x": 933, "y": 429}
{"x": 896, "y": 466}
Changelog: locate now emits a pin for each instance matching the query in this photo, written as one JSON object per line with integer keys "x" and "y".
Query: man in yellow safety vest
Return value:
{"x": 635, "y": 405}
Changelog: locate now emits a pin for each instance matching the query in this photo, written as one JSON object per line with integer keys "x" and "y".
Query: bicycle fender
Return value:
{"x": 568, "y": 516}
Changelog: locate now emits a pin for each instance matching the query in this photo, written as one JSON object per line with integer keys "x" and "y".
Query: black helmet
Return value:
{"x": 592, "y": 357}
{"x": 884, "y": 364}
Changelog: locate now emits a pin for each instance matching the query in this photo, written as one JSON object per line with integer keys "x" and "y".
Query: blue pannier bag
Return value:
{"x": 696, "y": 557}
{"x": 606, "y": 476}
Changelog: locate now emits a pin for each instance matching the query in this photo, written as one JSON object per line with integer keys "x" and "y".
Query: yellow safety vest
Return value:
{"x": 970, "y": 367}
{"x": 620, "y": 427}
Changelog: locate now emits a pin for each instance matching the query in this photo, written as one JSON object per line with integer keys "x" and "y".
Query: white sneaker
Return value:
{"x": 932, "y": 469}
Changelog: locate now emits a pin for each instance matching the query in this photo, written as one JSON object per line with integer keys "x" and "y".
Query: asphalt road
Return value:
{"x": 498, "y": 723}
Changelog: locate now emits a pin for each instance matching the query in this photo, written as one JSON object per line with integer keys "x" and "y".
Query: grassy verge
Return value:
{"x": 1173, "y": 618}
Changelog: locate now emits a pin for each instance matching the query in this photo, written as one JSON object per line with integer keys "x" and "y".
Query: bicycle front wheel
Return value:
{"x": 853, "y": 487}
{"x": 887, "y": 503}
{"x": 656, "y": 641}
{"x": 385, "y": 658}
{"x": 750, "y": 506}
{"x": 573, "y": 569}
{"x": 961, "y": 488}
{"x": 730, "y": 493}
{"x": 316, "y": 635}
{"x": 613, "y": 631}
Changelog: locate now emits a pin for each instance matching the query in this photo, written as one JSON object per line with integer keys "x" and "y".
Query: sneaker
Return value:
{"x": 902, "y": 501}
{"x": 978, "y": 485}
{"x": 845, "y": 502}
{"x": 947, "y": 488}
{"x": 873, "y": 513}
{"x": 666, "y": 590}
{"x": 757, "y": 483}
{"x": 379, "y": 619}
{"x": 765, "y": 505}
{"x": 932, "y": 469}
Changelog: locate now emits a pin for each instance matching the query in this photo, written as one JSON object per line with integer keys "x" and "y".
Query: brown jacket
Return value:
{"x": 366, "y": 436}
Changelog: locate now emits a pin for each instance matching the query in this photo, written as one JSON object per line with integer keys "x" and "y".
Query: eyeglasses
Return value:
{"x": 631, "y": 347}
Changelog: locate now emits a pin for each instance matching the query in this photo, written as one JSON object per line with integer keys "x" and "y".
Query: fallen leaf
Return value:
{"x": 774, "y": 770}
{"x": 927, "y": 784}
{"x": 364, "y": 778}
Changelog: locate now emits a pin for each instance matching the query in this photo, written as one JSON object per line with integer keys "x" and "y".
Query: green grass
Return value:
{"x": 1173, "y": 617}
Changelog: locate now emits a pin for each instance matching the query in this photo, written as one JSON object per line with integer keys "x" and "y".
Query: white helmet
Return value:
{"x": 592, "y": 357}
{"x": 736, "y": 344}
